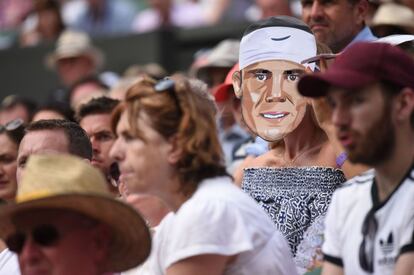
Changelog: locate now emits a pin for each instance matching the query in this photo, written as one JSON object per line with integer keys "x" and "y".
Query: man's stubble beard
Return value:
{"x": 378, "y": 143}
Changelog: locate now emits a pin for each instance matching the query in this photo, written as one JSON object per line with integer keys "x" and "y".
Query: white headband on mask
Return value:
{"x": 277, "y": 43}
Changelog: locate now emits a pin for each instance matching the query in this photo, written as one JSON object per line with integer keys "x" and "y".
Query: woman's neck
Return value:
{"x": 174, "y": 197}
{"x": 306, "y": 137}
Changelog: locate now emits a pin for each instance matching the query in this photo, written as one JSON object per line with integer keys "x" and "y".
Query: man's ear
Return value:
{"x": 236, "y": 79}
{"x": 175, "y": 151}
{"x": 361, "y": 11}
{"x": 405, "y": 104}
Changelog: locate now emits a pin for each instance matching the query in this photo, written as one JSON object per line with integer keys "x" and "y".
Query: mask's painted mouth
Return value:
{"x": 274, "y": 115}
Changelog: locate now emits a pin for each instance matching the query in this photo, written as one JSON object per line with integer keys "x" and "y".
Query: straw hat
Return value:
{"x": 72, "y": 44}
{"x": 69, "y": 183}
{"x": 393, "y": 14}
{"x": 396, "y": 39}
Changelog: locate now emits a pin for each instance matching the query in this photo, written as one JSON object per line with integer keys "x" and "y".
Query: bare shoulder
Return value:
{"x": 269, "y": 159}
{"x": 328, "y": 156}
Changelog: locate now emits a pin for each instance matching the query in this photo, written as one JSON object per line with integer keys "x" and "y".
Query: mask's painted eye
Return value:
{"x": 292, "y": 77}
{"x": 261, "y": 76}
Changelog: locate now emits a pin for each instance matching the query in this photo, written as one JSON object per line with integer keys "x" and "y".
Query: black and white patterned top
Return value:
{"x": 294, "y": 197}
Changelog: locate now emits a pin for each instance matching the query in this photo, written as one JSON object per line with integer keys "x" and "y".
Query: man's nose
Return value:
{"x": 96, "y": 145}
{"x": 30, "y": 251}
{"x": 316, "y": 10}
{"x": 340, "y": 116}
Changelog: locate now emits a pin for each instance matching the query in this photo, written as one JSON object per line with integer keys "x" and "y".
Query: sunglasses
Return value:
{"x": 366, "y": 249}
{"x": 14, "y": 128}
{"x": 12, "y": 125}
{"x": 43, "y": 235}
{"x": 321, "y": 60}
{"x": 168, "y": 85}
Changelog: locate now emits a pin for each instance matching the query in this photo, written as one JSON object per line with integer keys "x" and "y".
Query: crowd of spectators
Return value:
{"x": 30, "y": 23}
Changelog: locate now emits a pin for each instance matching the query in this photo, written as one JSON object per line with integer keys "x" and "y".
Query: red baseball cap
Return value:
{"x": 359, "y": 65}
{"x": 221, "y": 93}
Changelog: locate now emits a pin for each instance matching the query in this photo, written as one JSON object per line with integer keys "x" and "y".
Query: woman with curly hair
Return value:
{"x": 167, "y": 146}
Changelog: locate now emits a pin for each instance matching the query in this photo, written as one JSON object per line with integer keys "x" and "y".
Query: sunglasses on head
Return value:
{"x": 366, "y": 249}
{"x": 167, "y": 85}
{"x": 43, "y": 235}
{"x": 14, "y": 129}
{"x": 320, "y": 60}
{"x": 12, "y": 125}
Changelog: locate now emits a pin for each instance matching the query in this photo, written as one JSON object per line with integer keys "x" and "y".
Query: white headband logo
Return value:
{"x": 283, "y": 43}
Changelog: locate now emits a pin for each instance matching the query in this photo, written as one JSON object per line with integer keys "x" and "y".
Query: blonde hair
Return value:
{"x": 186, "y": 114}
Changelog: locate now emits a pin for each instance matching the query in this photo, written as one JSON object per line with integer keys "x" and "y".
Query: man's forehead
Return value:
{"x": 44, "y": 134}
{"x": 45, "y": 141}
{"x": 337, "y": 91}
{"x": 342, "y": 94}
{"x": 93, "y": 122}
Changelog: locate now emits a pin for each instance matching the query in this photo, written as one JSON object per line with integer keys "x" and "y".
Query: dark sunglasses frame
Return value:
{"x": 369, "y": 231}
{"x": 44, "y": 235}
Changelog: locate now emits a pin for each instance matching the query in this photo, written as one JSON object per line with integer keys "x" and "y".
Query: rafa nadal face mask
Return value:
{"x": 270, "y": 55}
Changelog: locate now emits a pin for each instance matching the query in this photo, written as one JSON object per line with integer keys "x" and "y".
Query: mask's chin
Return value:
{"x": 276, "y": 134}
{"x": 272, "y": 135}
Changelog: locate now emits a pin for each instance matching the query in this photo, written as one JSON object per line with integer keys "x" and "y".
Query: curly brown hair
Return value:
{"x": 188, "y": 115}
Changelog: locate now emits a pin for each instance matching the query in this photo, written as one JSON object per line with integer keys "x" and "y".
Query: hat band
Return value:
{"x": 33, "y": 196}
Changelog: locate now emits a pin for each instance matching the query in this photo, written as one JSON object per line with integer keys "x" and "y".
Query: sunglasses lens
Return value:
{"x": 14, "y": 124}
{"x": 165, "y": 84}
{"x": 45, "y": 235}
{"x": 15, "y": 242}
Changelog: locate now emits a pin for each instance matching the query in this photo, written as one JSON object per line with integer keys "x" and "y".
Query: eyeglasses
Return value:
{"x": 44, "y": 235}
{"x": 366, "y": 249}
{"x": 12, "y": 125}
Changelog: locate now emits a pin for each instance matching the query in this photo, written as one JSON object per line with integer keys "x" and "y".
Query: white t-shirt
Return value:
{"x": 347, "y": 212}
{"x": 221, "y": 219}
{"x": 8, "y": 263}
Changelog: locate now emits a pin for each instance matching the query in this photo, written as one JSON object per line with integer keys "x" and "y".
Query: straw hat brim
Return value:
{"x": 392, "y": 14}
{"x": 131, "y": 241}
{"x": 93, "y": 53}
